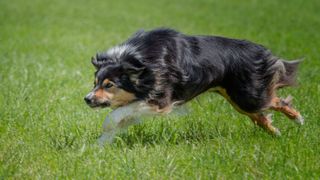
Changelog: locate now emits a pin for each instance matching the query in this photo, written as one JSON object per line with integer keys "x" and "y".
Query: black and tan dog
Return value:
{"x": 153, "y": 72}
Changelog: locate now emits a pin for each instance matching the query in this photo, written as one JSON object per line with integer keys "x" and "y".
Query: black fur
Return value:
{"x": 163, "y": 66}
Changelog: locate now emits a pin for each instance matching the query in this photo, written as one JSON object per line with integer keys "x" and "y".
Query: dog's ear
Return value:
{"x": 99, "y": 60}
{"x": 95, "y": 63}
{"x": 133, "y": 68}
{"x": 139, "y": 33}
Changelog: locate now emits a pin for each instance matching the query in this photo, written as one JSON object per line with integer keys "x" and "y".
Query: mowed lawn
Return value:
{"x": 47, "y": 131}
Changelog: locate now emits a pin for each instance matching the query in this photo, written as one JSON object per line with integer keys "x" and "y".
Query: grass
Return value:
{"x": 47, "y": 131}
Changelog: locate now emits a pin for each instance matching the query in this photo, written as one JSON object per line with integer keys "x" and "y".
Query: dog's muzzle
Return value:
{"x": 89, "y": 98}
{"x": 93, "y": 102}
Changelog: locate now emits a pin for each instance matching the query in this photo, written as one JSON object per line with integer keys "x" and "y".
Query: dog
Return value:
{"x": 155, "y": 71}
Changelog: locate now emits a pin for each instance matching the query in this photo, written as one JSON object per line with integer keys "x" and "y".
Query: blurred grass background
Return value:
{"x": 47, "y": 131}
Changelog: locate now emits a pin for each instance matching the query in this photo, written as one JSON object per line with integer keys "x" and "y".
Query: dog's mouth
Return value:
{"x": 99, "y": 105}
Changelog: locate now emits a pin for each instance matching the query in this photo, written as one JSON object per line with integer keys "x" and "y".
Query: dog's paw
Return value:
{"x": 105, "y": 139}
{"x": 277, "y": 132}
{"x": 299, "y": 119}
{"x": 101, "y": 142}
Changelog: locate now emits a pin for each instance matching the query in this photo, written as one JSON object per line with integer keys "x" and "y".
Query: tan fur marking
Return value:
{"x": 121, "y": 97}
{"x": 106, "y": 81}
{"x": 116, "y": 96}
{"x": 102, "y": 94}
{"x": 284, "y": 106}
{"x": 164, "y": 110}
{"x": 264, "y": 122}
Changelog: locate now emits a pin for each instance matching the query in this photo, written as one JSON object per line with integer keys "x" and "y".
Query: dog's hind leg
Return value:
{"x": 258, "y": 118}
{"x": 285, "y": 106}
{"x": 265, "y": 122}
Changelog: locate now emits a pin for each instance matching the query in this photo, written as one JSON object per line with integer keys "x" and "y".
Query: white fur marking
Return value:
{"x": 120, "y": 50}
{"x": 299, "y": 120}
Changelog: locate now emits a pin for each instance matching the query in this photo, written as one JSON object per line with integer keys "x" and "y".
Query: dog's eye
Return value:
{"x": 106, "y": 86}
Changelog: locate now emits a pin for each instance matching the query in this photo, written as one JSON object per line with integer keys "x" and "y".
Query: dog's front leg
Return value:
{"x": 120, "y": 118}
{"x": 113, "y": 121}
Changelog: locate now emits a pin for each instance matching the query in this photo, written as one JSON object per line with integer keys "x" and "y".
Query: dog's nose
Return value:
{"x": 87, "y": 100}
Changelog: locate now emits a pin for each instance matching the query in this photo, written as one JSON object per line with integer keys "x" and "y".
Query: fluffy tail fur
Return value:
{"x": 288, "y": 75}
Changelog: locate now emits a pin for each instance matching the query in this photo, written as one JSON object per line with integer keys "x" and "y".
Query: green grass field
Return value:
{"x": 47, "y": 131}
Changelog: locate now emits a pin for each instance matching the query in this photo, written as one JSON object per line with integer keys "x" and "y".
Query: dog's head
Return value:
{"x": 116, "y": 81}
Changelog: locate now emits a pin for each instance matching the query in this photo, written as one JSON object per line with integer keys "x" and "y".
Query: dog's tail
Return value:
{"x": 288, "y": 73}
